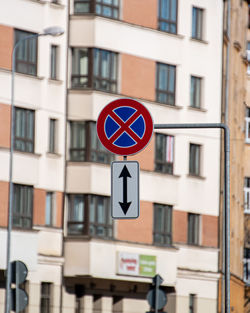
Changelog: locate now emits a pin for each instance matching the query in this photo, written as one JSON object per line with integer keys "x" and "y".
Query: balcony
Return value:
{"x": 126, "y": 261}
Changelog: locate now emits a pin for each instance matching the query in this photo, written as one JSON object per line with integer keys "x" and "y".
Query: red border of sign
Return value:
{"x": 149, "y": 126}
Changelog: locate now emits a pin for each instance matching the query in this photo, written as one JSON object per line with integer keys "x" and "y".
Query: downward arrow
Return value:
{"x": 125, "y": 205}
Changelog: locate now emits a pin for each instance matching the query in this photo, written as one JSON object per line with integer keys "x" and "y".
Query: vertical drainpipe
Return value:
{"x": 227, "y": 61}
{"x": 65, "y": 148}
{"x": 226, "y": 119}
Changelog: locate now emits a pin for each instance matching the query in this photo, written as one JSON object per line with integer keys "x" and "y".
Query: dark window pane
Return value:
{"x": 194, "y": 159}
{"x": 80, "y": 63}
{"x": 165, "y": 83}
{"x": 107, "y": 8}
{"x": 167, "y": 15}
{"x": 22, "y": 206}
{"x": 53, "y": 62}
{"x": 164, "y": 153}
{"x": 76, "y": 217}
{"x": 77, "y": 141}
{"x": 82, "y": 6}
{"x": 162, "y": 224}
{"x": 193, "y": 228}
{"x": 197, "y": 21}
{"x": 94, "y": 68}
{"x": 105, "y": 70}
{"x": 26, "y": 53}
{"x": 99, "y": 213}
{"x": 24, "y": 130}
{"x": 195, "y": 92}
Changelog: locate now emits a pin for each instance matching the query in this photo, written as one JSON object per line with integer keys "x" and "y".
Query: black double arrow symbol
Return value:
{"x": 125, "y": 204}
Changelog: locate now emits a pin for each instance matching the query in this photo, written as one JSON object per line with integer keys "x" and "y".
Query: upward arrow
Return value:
{"x": 125, "y": 205}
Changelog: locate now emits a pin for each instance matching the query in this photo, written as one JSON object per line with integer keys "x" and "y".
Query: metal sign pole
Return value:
{"x": 226, "y": 194}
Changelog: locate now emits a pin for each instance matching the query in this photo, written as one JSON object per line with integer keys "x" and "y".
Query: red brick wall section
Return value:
{"x": 6, "y": 44}
{"x": 140, "y": 229}
{"x": 140, "y": 12}
{"x": 138, "y": 77}
{"x": 39, "y": 207}
{"x": 209, "y": 231}
{"x": 4, "y": 203}
{"x": 59, "y": 209}
{"x": 179, "y": 226}
{"x": 4, "y": 125}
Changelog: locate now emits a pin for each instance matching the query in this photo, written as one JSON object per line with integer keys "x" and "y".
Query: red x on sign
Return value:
{"x": 124, "y": 126}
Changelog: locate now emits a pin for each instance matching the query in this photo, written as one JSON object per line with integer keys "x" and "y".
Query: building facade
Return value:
{"x": 246, "y": 188}
{"x": 234, "y": 106}
{"x": 165, "y": 54}
{"x": 39, "y": 145}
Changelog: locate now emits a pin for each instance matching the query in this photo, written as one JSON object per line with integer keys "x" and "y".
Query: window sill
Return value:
{"x": 196, "y": 176}
{"x": 197, "y": 109}
{"x": 177, "y": 107}
{"x": 199, "y": 40}
{"x": 87, "y": 163}
{"x": 167, "y": 174}
{"x": 57, "y": 5}
{"x": 80, "y": 237}
{"x": 170, "y": 34}
{"x": 25, "y": 230}
{"x": 31, "y": 154}
{"x": 52, "y": 229}
{"x": 38, "y": 1}
{"x": 53, "y": 155}
{"x": 22, "y": 74}
{"x": 55, "y": 81}
{"x": 29, "y": 76}
{"x": 193, "y": 246}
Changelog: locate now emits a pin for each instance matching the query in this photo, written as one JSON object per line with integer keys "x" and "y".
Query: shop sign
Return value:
{"x": 134, "y": 264}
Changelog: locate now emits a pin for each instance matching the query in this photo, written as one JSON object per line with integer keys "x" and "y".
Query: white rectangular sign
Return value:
{"x": 125, "y": 202}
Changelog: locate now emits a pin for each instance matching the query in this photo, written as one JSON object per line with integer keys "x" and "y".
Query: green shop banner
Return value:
{"x": 147, "y": 265}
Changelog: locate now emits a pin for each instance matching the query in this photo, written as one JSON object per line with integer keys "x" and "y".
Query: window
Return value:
{"x": 192, "y": 303}
{"x": 162, "y": 224}
{"x": 193, "y": 228}
{"x": 197, "y": 21}
{"x": 85, "y": 145}
{"x": 167, "y": 15}
{"x": 247, "y": 195}
{"x": 246, "y": 265}
{"x": 195, "y": 92}
{"x": 53, "y": 62}
{"x": 165, "y": 84}
{"x": 194, "y": 159}
{"x": 248, "y": 125}
{"x": 52, "y": 135}
{"x": 45, "y": 301}
{"x": 50, "y": 209}
{"x": 164, "y": 153}
{"x": 248, "y": 57}
{"x": 107, "y": 8}
{"x": 23, "y": 206}
{"x": 89, "y": 215}
{"x": 94, "y": 68}
{"x": 26, "y": 54}
{"x": 24, "y": 130}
